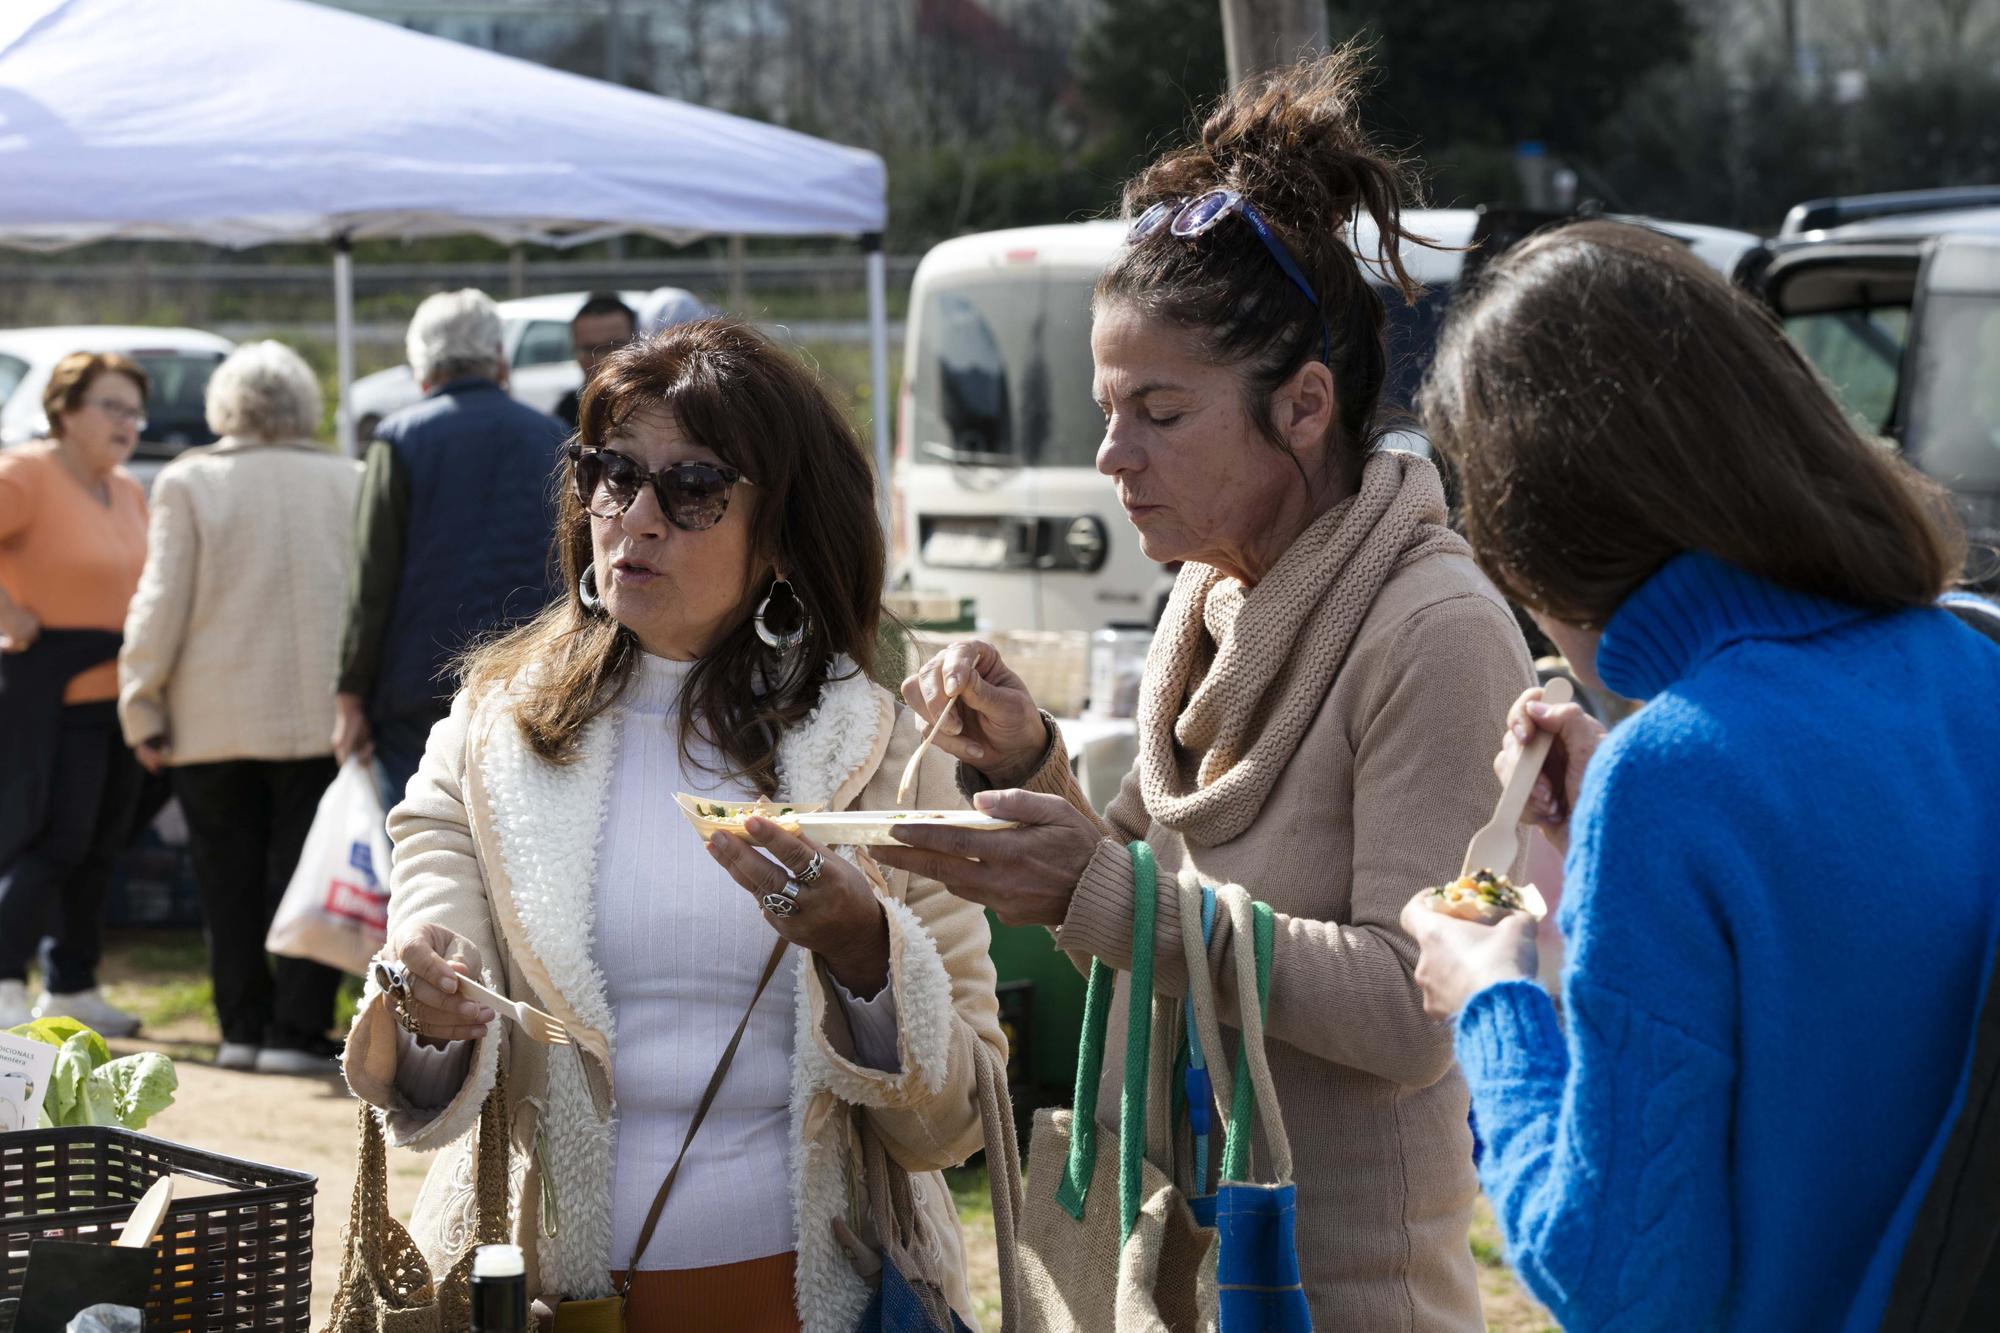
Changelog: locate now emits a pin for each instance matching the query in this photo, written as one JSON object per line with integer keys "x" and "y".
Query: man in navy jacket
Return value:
{"x": 452, "y": 536}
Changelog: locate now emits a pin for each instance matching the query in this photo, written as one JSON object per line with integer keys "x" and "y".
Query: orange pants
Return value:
{"x": 754, "y": 1296}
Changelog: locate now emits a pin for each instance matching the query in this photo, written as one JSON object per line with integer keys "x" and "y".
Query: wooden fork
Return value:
{"x": 917, "y": 756}
{"x": 542, "y": 1027}
{"x": 1495, "y": 846}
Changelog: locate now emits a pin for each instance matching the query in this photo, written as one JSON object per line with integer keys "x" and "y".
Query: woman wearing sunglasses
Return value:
{"x": 1311, "y": 715}
{"x": 718, "y": 534}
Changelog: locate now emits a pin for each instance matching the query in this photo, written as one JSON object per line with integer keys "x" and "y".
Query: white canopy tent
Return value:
{"x": 246, "y": 122}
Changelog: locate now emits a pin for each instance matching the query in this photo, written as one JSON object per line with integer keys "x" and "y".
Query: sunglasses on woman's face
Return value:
{"x": 694, "y": 496}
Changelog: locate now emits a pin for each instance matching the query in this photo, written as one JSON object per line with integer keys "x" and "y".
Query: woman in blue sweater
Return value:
{"x": 1782, "y": 875}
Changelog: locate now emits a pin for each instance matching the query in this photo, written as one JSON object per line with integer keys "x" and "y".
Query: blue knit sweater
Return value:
{"x": 1782, "y": 889}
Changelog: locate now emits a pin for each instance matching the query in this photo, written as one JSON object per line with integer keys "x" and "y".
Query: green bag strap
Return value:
{"x": 1074, "y": 1186}
{"x": 1073, "y": 1190}
{"x": 1236, "y": 1144}
{"x": 1138, "y": 1038}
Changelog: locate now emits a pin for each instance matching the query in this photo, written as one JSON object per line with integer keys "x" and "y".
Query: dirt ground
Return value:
{"x": 309, "y": 1124}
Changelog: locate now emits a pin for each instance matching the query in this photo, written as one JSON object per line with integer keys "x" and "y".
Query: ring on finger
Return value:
{"x": 780, "y": 904}
{"x": 393, "y": 977}
{"x": 812, "y": 870}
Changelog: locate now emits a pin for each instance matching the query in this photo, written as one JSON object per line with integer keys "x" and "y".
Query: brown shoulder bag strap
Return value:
{"x": 701, "y": 1113}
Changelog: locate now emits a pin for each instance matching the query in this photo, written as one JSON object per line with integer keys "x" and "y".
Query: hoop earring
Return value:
{"x": 780, "y": 641}
{"x": 586, "y": 592}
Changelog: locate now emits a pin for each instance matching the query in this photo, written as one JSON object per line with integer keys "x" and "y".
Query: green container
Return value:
{"x": 1039, "y": 979}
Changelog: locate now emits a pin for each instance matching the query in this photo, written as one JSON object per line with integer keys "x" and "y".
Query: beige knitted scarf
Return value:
{"x": 1236, "y": 675}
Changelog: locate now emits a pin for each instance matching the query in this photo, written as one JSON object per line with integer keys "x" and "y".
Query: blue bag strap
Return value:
{"x": 1200, "y": 1089}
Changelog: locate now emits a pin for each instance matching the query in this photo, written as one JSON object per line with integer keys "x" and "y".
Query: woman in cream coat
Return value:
{"x": 227, "y": 665}
{"x": 718, "y": 529}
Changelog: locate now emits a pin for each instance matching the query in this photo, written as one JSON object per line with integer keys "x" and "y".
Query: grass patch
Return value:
{"x": 162, "y": 976}
{"x": 165, "y": 1003}
{"x": 345, "y": 1003}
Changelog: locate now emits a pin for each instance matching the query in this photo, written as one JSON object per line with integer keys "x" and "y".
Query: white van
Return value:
{"x": 996, "y": 495}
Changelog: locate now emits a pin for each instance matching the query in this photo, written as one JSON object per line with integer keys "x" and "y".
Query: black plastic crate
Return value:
{"x": 240, "y": 1259}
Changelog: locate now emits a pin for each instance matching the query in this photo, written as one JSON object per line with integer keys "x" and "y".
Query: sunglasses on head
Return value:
{"x": 694, "y": 496}
{"x": 1189, "y": 218}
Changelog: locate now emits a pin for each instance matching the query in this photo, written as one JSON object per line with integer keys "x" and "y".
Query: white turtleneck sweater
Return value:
{"x": 680, "y": 944}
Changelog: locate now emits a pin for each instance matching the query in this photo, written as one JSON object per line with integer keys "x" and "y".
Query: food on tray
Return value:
{"x": 1485, "y": 896}
{"x": 704, "y": 808}
{"x": 850, "y": 828}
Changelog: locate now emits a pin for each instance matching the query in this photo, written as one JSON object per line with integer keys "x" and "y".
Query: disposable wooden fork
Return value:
{"x": 1495, "y": 846}
{"x": 910, "y": 769}
{"x": 542, "y": 1027}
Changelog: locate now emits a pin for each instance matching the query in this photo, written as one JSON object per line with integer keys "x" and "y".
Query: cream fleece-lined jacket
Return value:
{"x": 500, "y": 846}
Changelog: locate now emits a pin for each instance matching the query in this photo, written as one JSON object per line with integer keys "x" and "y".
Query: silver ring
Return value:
{"x": 812, "y": 870}
{"x": 393, "y": 977}
{"x": 777, "y": 904}
{"x": 790, "y": 888}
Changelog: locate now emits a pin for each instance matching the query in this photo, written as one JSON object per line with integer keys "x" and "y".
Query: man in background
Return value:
{"x": 451, "y": 536}
{"x": 604, "y": 325}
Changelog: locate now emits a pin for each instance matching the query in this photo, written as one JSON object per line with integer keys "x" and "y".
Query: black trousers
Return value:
{"x": 55, "y": 887}
{"x": 247, "y": 822}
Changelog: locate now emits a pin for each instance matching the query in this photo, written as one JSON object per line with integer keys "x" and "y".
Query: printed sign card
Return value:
{"x": 25, "y": 1069}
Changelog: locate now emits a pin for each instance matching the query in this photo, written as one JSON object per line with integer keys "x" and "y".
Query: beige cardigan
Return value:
{"x": 500, "y": 846}
{"x": 231, "y": 638}
{"x": 1391, "y": 780}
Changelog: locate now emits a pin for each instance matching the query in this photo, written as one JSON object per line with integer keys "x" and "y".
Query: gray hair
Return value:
{"x": 455, "y": 334}
{"x": 264, "y": 391}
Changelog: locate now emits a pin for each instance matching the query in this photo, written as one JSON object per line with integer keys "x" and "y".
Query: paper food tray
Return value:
{"x": 844, "y": 828}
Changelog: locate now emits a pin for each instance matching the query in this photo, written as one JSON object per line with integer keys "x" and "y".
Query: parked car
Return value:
{"x": 995, "y": 494}
{"x": 177, "y": 361}
{"x": 535, "y": 336}
{"x": 1896, "y": 299}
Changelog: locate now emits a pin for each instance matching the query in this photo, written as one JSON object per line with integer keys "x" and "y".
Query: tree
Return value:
{"x": 1146, "y": 68}
{"x": 1504, "y": 71}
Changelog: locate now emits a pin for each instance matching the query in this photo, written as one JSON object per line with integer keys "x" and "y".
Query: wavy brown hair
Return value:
{"x": 1292, "y": 144}
{"x": 761, "y": 411}
{"x": 1609, "y": 401}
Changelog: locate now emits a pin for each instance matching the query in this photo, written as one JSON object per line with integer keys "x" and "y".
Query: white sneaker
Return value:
{"x": 237, "y": 1055}
{"x": 285, "y": 1060}
{"x": 90, "y": 1009}
{"x": 14, "y": 1008}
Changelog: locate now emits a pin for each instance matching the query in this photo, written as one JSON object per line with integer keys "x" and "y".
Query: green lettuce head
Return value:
{"x": 88, "y": 1087}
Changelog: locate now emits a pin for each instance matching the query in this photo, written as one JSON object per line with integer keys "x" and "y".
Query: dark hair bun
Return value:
{"x": 1292, "y": 143}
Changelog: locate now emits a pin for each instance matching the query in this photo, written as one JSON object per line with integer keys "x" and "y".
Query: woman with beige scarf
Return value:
{"x": 1319, "y": 702}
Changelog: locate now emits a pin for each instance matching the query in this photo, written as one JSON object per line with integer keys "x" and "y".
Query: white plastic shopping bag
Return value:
{"x": 336, "y": 909}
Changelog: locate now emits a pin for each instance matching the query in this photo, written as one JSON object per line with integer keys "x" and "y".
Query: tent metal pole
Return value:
{"x": 878, "y": 364}
{"x": 343, "y": 339}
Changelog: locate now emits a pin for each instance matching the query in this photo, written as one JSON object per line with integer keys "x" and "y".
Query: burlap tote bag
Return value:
{"x": 1108, "y": 1245}
{"x": 385, "y": 1285}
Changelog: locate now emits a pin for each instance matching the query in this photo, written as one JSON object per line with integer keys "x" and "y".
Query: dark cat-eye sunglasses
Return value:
{"x": 694, "y": 496}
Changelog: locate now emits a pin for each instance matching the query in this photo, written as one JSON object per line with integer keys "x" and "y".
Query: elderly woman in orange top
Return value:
{"x": 72, "y": 543}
